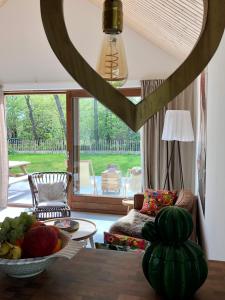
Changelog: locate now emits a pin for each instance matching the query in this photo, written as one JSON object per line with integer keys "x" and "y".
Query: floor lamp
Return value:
{"x": 177, "y": 127}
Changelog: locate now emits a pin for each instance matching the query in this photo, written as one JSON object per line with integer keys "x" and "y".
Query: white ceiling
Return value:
{"x": 27, "y": 61}
{"x": 173, "y": 25}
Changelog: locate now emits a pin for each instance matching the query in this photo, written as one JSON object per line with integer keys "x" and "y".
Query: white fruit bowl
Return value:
{"x": 28, "y": 267}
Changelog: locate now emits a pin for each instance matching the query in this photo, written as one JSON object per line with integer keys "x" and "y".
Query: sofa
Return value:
{"x": 132, "y": 223}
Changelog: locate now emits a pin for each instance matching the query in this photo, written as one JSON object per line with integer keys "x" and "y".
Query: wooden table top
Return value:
{"x": 13, "y": 163}
{"x": 100, "y": 275}
{"x": 128, "y": 202}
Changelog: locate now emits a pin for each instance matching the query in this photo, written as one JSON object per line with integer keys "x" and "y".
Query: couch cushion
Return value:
{"x": 185, "y": 200}
{"x": 131, "y": 224}
{"x": 51, "y": 204}
{"x": 124, "y": 240}
{"x": 151, "y": 206}
{"x": 51, "y": 192}
{"x": 118, "y": 248}
{"x": 161, "y": 194}
{"x": 154, "y": 200}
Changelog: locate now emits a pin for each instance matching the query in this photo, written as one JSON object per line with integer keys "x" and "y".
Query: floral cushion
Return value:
{"x": 154, "y": 200}
{"x": 124, "y": 240}
{"x": 118, "y": 248}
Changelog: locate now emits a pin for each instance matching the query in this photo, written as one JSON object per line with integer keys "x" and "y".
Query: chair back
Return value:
{"x": 87, "y": 176}
{"x": 48, "y": 178}
{"x": 134, "y": 181}
{"x": 85, "y": 173}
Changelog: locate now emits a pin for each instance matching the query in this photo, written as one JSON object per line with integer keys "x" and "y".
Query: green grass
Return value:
{"x": 57, "y": 162}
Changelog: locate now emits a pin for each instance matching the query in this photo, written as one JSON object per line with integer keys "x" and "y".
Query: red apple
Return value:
{"x": 37, "y": 223}
{"x": 56, "y": 229}
{"x": 39, "y": 241}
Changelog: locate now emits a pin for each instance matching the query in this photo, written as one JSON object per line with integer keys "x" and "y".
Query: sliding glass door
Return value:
{"x": 103, "y": 153}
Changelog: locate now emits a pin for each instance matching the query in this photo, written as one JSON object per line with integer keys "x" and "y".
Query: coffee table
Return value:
{"x": 86, "y": 230}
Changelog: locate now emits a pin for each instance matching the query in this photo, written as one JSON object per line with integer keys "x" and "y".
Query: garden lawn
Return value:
{"x": 57, "y": 162}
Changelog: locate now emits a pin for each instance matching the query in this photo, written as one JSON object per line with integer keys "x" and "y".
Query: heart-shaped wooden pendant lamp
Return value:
{"x": 133, "y": 115}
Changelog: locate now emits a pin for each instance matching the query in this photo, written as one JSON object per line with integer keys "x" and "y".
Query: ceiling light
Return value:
{"x": 112, "y": 63}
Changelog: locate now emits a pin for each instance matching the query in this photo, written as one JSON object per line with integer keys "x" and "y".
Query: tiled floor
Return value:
{"x": 21, "y": 191}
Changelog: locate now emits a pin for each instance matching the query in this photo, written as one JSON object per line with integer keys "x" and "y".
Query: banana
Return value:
{"x": 14, "y": 253}
{"x": 4, "y": 249}
{"x": 10, "y": 251}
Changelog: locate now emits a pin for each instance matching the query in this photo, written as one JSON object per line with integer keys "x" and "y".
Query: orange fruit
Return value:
{"x": 58, "y": 246}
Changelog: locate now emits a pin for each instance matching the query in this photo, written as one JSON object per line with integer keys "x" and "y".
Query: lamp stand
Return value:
{"x": 169, "y": 163}
{"x": 180, "y": 164}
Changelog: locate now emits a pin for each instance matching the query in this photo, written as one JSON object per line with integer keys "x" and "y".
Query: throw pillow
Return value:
{"x": 185, "y": 200}
{"x": 163, "y": 195}
{"x": 118, "y": 248}
{"x": 150, "y": 207}
{"x": 154, "y": 200}
{"x": 124, "y": 240}
{"x": 51, "y": 192}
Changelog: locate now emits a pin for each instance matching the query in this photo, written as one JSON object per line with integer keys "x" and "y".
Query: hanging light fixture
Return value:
{"x": 112, "y": 63}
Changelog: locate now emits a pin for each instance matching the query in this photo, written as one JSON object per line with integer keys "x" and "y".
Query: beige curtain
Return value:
{"x": 157, "y": 152}
{"x": 3, "y": 154}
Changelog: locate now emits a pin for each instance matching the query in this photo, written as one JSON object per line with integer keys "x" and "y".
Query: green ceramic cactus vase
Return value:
{"x": 174, "y": 266}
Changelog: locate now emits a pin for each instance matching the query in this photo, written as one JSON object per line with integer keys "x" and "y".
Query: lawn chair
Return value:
{"x": 87, "y": 176}
{"x": 50, "y": 193}
{"x": 133, "y": 181}
{"x": 111, "y": 179}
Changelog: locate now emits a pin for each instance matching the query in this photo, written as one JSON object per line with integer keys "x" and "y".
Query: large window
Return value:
{"x": 36, "y": 126}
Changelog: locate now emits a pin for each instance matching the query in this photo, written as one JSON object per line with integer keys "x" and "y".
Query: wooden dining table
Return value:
{"x": 95, "y": 274}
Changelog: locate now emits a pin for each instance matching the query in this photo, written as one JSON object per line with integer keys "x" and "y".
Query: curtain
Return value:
{"x": 3, "y": 154}
{"x": 156, "y": 152}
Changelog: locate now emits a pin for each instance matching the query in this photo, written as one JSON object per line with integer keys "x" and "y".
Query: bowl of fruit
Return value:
{"x": 28, "y": 246}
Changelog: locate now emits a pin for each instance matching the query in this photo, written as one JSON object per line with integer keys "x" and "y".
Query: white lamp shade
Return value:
{"x": 178, "y": 126}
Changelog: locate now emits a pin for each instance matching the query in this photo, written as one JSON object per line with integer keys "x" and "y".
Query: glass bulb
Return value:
{"x": 112, "y": 63}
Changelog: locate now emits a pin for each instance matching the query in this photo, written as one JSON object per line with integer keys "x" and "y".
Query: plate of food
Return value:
{"x": 68, "y": 225}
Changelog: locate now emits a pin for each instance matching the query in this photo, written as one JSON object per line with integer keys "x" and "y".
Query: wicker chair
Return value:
{"x": 56, "y": 184}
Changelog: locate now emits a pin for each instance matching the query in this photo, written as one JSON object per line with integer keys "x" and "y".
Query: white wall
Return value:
{"x": 215, "y": 171}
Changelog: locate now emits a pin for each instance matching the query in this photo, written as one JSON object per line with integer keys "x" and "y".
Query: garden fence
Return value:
{"x": 59, "y": 146}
